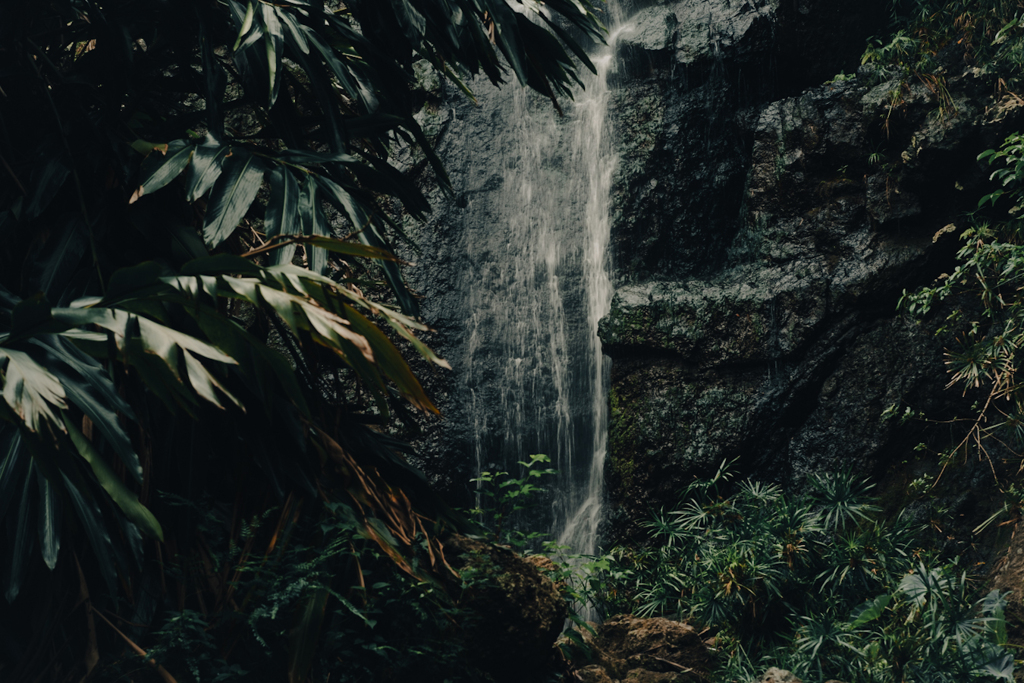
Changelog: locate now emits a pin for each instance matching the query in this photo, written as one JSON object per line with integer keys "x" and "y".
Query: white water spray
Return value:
{"x": 579, "y": 528}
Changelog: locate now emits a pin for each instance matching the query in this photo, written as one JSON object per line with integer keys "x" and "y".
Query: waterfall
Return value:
{"x": 535, "y": 286}
{"x": 579, "y": 517}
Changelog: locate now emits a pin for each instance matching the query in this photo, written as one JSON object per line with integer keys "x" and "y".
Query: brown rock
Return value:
{"x": 547, "y": 567}
{"x": 644, "y": 676}
{"x": 650, "y": 650}
{"x": 593, "y": 674}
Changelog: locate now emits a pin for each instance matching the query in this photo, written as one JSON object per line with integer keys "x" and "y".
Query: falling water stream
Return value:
{"x": 578, "y": 517}
{"x": 538, "y": 283}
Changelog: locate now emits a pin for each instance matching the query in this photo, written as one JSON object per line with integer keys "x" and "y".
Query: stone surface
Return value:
{"x": 690, "y": 76}
{"x": 776, "y": 675}
{"x": 655, "y": 650}
{"x": 518, "y": 610}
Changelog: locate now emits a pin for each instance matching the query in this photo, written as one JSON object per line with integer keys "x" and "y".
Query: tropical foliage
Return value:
{"x": 201, "y": 318}
{"x": 985, "y": 33}
{"x": 985, "y": 315}
{"x": 933, "y": 40}
{"x": 504, "y": 501}
{"x": 818, "y": 583}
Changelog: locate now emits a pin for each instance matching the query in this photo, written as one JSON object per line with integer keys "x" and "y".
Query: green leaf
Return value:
{"x": 160, "y": 340}
{"x": 305, "y": 635}
{"x": 390, "y": 361}
{"x": 344, "y": 202}
{"x": 87, "y": 368}
{"x": 232, "y": 195}
{"x": 135, "y": 334}
{"x": 112, "y": 484}
{"x": 246, "y": 25}
{"x": 205, "y": 383}
{"x": 507, "y": 36}
{"x": 31, "y": 390}
{"x": 384, "y": 179}
{"x": 92, "y": 523}
{"x": 412, "y": 22}
{"x": 1000, "y": 667}
{"x": 49, "y": 520}
{"x": 350, "y": 81}
{"x": 12, "y": 461}
{"x": 273, "y": 42}
{"x": 321, "y": 229}
{"x": 23, "y": 539}
{"x": 392, "y": 273}
{"x": 84, "y": 397}
{"x": 870, "y": 610}
{"x": 205, "y": 169}
{"x": 163, "y": 166}
{"x": 259, "y": 361}
{"x": 303, "y": 157}
{"x": 282, "y": 217}
{"x": 298, "y": 39}
{"x": 338, "y": 246}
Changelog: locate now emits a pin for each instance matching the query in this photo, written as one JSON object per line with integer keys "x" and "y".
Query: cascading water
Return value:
{"x": 536, "y": 285}
{"x": 580, "y": 515}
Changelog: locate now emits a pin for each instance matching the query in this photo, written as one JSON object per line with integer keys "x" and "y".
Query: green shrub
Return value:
{"x": 819, "y": 582}
{"x": 325, "y": 601}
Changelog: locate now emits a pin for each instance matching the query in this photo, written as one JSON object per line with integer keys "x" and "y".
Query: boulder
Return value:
{"x": 776, "y": 675}
{"x": 516, "y": 612}
{"x": 630, "y": 649}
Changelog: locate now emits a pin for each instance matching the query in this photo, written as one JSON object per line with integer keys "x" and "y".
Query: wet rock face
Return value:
{"x": 686, "y": 69}
{"x": 761, "y": 245}
{"x": 818, "y": 39}
{"x": 692, "y": 71}
{"x": 695, "y": 197}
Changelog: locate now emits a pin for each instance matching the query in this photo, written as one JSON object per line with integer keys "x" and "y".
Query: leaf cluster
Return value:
{"x": 985, "y": 313}
{"x": 985, "y": 32}
{"x": 503, "y": 498}
{"x": 198, "y": 295}
{"x": 934, "y": 39}
{"x": 325, "y": 585}
{"x": 818, "y": 582}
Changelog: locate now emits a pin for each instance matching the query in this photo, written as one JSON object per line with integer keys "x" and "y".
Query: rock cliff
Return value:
{"x": 766, "y": 224}
{"x": 771, "y": 202}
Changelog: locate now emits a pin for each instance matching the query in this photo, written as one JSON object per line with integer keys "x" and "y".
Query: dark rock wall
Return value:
{"x": 766, "y": 225}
